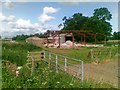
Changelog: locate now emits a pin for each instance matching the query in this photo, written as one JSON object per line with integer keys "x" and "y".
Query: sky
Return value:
{"x": 18, "y": 18}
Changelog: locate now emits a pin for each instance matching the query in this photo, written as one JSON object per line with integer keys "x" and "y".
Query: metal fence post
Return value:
{"x": 32, "y": 68}
{"x": 91, "y": 51}
{"x": 82, "y": 68}
{"x": 44, "y": 56}
{"x": 49, "y": 60}
{"x": 65, "y": 64}
{"x": 110, "y": 53}
{"x": 56, "y": 63}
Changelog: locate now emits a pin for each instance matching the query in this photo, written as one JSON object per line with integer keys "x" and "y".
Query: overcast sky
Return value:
{"x": 37, "y": 17}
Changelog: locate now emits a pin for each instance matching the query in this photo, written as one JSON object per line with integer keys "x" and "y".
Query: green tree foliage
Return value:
{"x": 75, "y": 22}
{"x": 102, "y": 14}
{"x": 20, "y": 37}
{"x": 116, "y": 36}
{"x": 23, "y": 37}
{"x": 98, "y": 23}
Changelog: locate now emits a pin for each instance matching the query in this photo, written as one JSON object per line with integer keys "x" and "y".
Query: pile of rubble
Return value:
{"x": 67, "y": 44}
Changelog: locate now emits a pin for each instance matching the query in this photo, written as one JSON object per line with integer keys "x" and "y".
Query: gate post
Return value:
{"x": 91, "y": 54}
{"x": 49, "y": 64}
{"x": 110, "y": 53}
{"x": 65, "y": 64}
{"x": 44, "y": 56}
{"x": 33, "y": 67}
{"x": 56, "y": 63}
{"x": 82, "y": 68}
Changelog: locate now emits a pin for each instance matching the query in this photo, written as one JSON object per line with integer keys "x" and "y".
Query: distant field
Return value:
{"x": 82, "y": 53}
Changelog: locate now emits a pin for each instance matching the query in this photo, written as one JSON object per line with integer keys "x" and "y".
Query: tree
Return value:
{"x": 98, "y": 23}
{"x": 116, "y": 36}
{"x": 75, "y": 22}
{"x": 102, "y": 14}
{"x": 23, "y": 37}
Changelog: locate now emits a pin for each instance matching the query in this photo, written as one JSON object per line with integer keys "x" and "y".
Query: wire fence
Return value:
{"x": 103, "y": 53}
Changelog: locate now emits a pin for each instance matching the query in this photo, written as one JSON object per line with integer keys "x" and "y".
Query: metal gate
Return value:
{"x": 69, "y": 65}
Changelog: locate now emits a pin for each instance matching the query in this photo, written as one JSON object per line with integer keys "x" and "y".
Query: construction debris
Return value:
{"x": 67, "y": 44}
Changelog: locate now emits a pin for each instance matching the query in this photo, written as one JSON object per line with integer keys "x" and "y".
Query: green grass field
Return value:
{"x": 43, "y": 77}
{"x": 82, "y": 53}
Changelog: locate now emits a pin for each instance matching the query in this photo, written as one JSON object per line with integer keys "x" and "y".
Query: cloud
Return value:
{"x": 22, "y": 26}
{"x": 49, "y": 10}
{"x": 20, "y": 23}
{"x": 26, "y": 27}
{"x": 13, "y": 27}
{"x": 6, "y": 18}
{"x": 44, "y": 17}
{"x": 8, "y": 3}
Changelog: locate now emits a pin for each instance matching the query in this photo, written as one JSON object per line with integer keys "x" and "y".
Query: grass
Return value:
{"x": 17, "y": 52}
{"x": 44, "y": 77}
{"x": 82, "y": 53}
{"x": 73, "y": 53}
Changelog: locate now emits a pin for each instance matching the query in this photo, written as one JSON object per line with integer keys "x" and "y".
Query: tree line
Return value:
{"x": 114, "y": 36}
{"x": 99, "y": 22}
{"x": 24, "y": 37}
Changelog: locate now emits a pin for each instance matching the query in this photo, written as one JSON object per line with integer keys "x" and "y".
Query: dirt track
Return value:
{"x": 100, "y": 73}
{"x": 107, "y": 72}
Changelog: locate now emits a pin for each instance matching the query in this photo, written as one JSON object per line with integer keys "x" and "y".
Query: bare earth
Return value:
{"x": 107, "y": 72}
{"x": 101, "y": 73}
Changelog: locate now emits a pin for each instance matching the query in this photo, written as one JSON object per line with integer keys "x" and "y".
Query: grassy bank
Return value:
{"x": 46, "y": 78}
{"x": 16, "y": 52}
